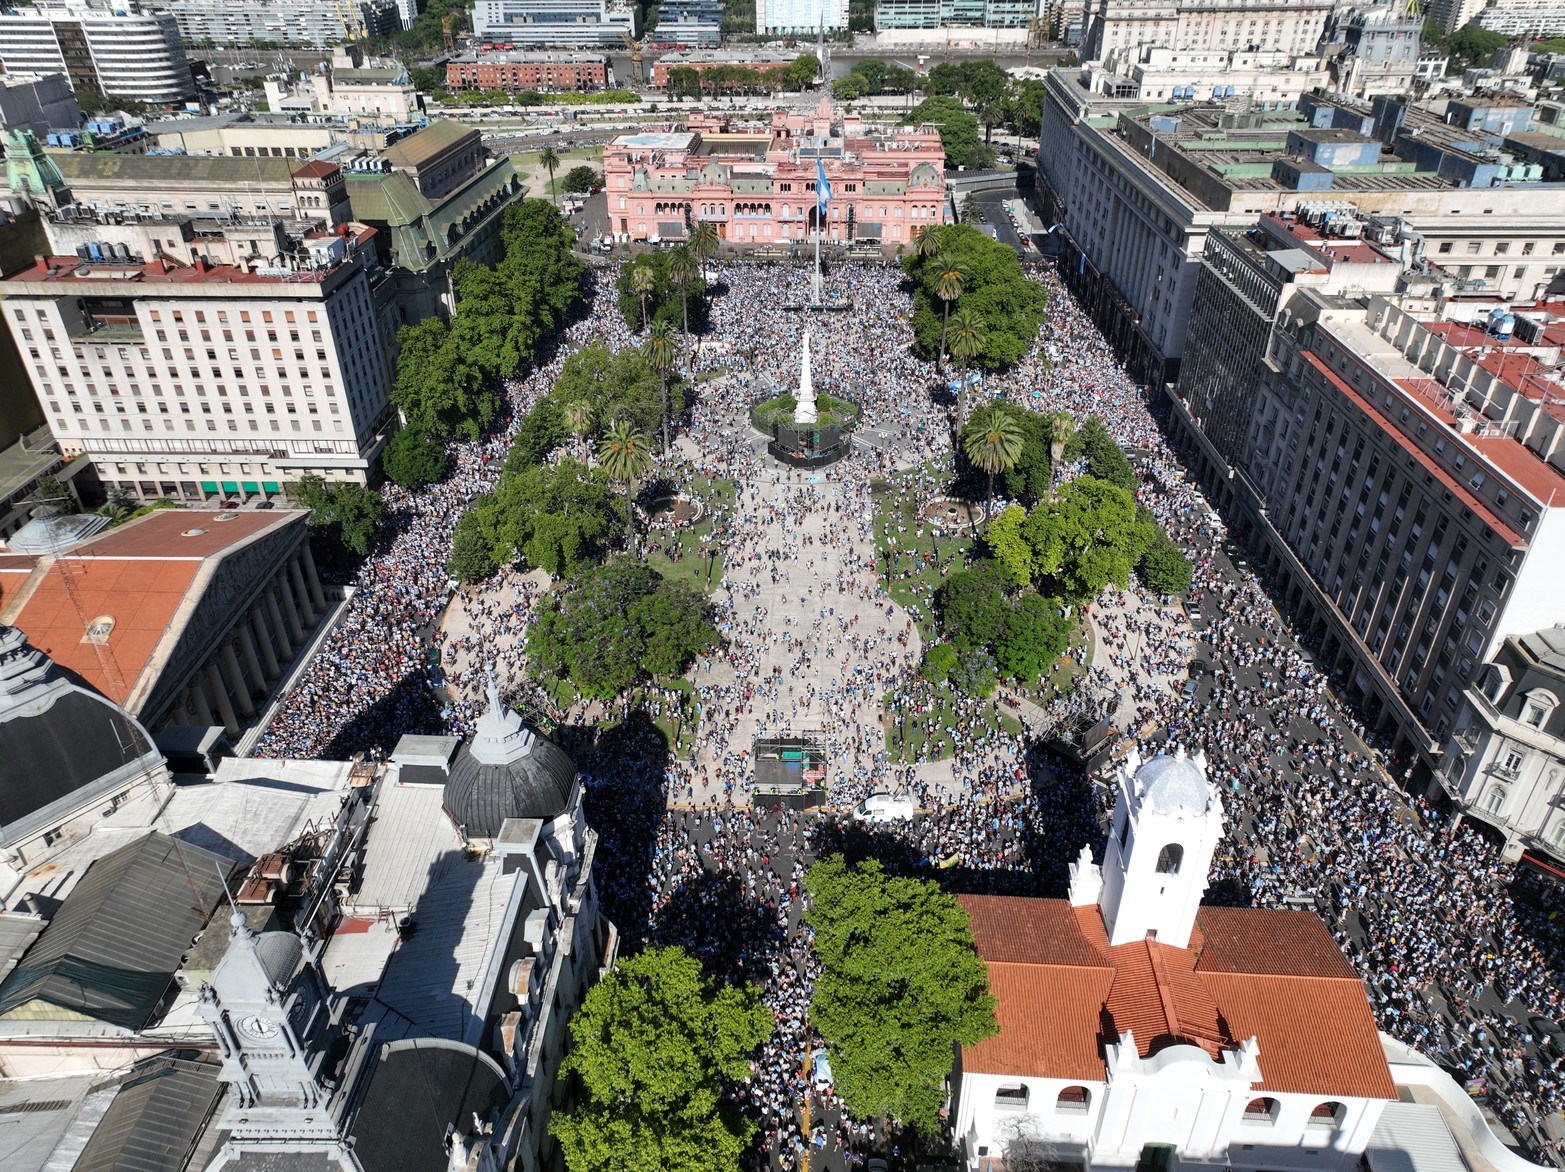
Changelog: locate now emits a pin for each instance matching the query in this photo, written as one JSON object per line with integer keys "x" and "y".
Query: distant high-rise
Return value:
{"x": 956, "y": 13}
{"x": 799, "y": 17}
{"x": 121, "y": 50}
{"x": 555, "y": 22}
{"x": 1289, "y": 27}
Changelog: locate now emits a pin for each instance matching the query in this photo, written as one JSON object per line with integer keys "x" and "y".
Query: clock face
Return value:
{"x": 258, "y": 1027}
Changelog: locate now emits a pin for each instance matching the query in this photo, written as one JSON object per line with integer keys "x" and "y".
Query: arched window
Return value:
{"x": 1169, "y": 858}
{"x": 99, "y": 629}
{"x": 1263, "y": 1110}
{"x": 1495, "y": 802}
{"x": 1073, "y": 1101}
{"x": 1328, "y": 1114}
{"x": 1011, "y": 1098}
{"x": 1540, "y": 703}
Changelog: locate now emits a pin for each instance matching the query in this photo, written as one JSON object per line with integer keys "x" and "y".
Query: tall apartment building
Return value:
{"x": 957, "y": 13}
{"x": 317, "y": 23}
{"x": 1523, "y": 20}
{"x": 697, "y": 23}
{"x": 120, "y": 50}
{"x": 1453, "y": 14}
{"x": 556, "y": 22}
{"x": 1204, "y": 24}
{"x": 166, "y": 372}
{"x": 799, "y": 17}
{"x": 1138, "y": 187}
{"x": 1395, "y": 462}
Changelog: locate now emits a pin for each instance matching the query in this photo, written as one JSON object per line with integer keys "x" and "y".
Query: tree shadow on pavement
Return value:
{"x": 710, "y": 916}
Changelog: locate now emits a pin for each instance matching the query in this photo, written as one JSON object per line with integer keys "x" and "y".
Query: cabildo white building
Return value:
{"x": 1137, "y": 1026}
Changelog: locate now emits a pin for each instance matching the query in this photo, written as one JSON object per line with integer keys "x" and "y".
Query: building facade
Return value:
{"x": 279, "y": 366}
{"x": 697, "y": 23}
{"x": 119, "y": 50}
{"x": 316, "y": 23}
{"x": 1139, "y": 1029}
{"x": 799, "y": 18}
{"x": 509, "y": 23}
{"x": 1505, "y": 763}
{"x": 1523, "y": 20}
{"x": 892, "y": 14}
{"x": 704, "y": 62}
{"x": 1209, "y": 24}
{"x": 527, "y": 71}
{"x": 756, "y": 184}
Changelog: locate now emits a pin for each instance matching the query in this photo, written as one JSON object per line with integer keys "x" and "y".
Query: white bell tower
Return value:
{"x": 1168, "y": 820}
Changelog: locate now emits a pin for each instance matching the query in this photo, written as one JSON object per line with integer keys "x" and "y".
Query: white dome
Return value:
{"x": 1173, "y": 785}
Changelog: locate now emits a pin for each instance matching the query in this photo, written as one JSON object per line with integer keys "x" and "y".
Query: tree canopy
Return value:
{"x": 343, "y": 514}
{"x": 663, "y": 299}
{"x": 616, "y": 625}
{"x": 411, "y": 458}
{"x": 1009, "y": 306}
{"x": 616, "y": 385}
{"x": 1029, "y": 479}
{"x": 900, "y": 986}
{"x": 555, "y": 517}
{"x": 959, "y": 135}
{"x": 1085, "y": 536}
{"x": 1106, "y": 460}
{"x": 979, "y": 609}
{"x": 655, "y": 1046}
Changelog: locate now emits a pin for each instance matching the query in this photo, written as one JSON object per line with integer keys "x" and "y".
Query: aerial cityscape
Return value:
{"x": 799, "y": 585}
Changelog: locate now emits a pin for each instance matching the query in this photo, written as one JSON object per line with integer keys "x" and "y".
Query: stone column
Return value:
{"x": 203, "y": 709}
{"x": 214, "y": 682}
{"x": 263, "y": 638}
{"x": 295, "y": 627}
{"x": 252, "y": 660}
{"x": 236, "y": 679}
{"x": 300, "y": 593}
{"x": 317, "y": 596}
{"x": 279, "y": 628}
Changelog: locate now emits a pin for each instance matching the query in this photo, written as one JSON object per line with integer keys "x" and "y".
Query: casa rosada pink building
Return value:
{"x": 756, "y": 183}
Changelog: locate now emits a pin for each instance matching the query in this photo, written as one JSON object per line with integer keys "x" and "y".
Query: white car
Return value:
{"x": 884, "y": 807}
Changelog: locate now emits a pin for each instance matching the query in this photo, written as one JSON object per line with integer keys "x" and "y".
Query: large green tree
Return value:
{"x": 616, "y": 625}
{"x": 344, "y": 514}
{"x": 616, "y": 385}
{"x": 669, "y": 290}
{"x": 1164, "y": 568}
{"x": 410, "y": 459}
{"x": 1085, "y": 536}
{"x": 554, "y": 517}
{"x": 439, "y": 392}
{"x": 959, "y": 133}
{"x": 1009, "y": 306}
{"x": 900, "y": 987}
{"x": 1106, "y": 460}
{"x": 655, "y": 1046}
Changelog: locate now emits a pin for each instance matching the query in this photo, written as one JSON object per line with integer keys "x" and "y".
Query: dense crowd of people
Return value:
{"x": 813, "y": 643}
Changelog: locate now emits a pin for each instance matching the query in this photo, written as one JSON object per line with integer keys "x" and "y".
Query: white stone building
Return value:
{"x": 280, "y": 363}
{"x": 1210, "y": 24}
{"x": 1505, "y": 764}
{"x": 1139, "y": 1029}
{"x": 115, "y": 49}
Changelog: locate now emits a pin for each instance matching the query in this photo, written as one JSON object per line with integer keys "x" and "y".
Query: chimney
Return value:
{"x": 201, "y": 265}
{"x": 42, "y": 262}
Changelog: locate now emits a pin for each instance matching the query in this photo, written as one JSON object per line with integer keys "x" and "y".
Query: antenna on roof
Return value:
{"x": 223, "y": 879}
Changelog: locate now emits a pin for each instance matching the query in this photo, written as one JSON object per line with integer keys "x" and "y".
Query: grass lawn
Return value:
{"x": 906, "y": 739}
{"x": 536, "y": 178}
{"x": 920, "y": 557}
{"x": 717, "y": 496}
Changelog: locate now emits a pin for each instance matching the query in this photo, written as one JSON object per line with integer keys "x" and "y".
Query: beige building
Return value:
{"x": 285, "y": 188}
{"x": 1238, "y": 25}
{"x": 173, "y": 374}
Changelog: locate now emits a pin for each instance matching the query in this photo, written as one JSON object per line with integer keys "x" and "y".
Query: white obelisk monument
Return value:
{"x": 804, "y": 408}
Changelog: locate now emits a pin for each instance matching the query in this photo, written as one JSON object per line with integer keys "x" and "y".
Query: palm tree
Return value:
{"x": 626, "y": 454}
{"x": 549, "y": 159}
{"x": 578, "y": 417}
{"x": 949, "y": 279}
{"x": 662, "y": 350}
{"x": 928, "y": 240}
{"x": 704, "y": 242}
{"x": 642, "y": 282}
{"x": 967, "y": 343}
{"x": 993, "y": 442}
{"x": 1062, "y": 425}
{"x": 682, "y": 269}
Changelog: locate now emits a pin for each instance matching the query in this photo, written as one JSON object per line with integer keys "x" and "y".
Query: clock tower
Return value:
{"x": 276, "y": 1026}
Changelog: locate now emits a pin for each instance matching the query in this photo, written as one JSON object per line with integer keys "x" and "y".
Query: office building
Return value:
{"x": 1451, "y": 15}
{"x": 119, "y": 50}
{"x": 1138, "y": 188}
{"x": 165, "y": 373}
{"x": 38, "y": 104}
{"x": 957, "y": 14}
{"x": 507, "y": 24}
{"x": 704, "y": 61}
{"x": 756, "y": 184}
{"x": 799, "y": 18}
{"x": 358, "y": 90}
{"x": 527, "y": 71}
{"x": 316, "y": 23}
{"x": 1141, "y": 1029}
{"x": 1374, "y": 49}
{"x": 1278, "y": 80}
{"x": 693, "y": 23}
{"x": 1523, "y": 20}
{"x": 1505, "y": 763}
{"x": 1209, "y": 24}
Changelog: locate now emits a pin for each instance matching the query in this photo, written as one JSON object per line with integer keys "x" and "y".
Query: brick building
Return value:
{"x": 527, "y": 71}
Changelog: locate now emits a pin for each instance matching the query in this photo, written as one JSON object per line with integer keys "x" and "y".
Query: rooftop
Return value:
{"x": 420, "y": 148}
{"x": 73, "y": 270}
{"x": 1063, "y": 993}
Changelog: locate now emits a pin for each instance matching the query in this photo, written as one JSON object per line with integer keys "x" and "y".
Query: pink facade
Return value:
{"x": 756, "y": 183}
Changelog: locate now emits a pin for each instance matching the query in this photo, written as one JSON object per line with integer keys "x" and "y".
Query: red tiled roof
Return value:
{"x": 1062, "y": 993}
{"x": 161, "y": 534}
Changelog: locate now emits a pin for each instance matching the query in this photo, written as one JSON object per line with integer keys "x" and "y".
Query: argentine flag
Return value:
{"x": 822, "y": 187}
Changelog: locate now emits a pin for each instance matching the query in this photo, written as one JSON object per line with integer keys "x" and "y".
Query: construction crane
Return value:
{"x": 634, "y": 46}
{"x": 352, "y": 21}
{"x": 447, "y": 23}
